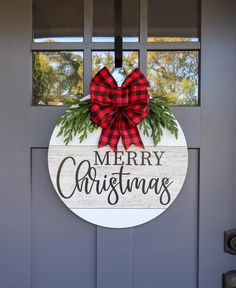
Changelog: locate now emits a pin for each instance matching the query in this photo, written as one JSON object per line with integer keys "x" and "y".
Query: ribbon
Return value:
{"x": 118, "y": 110}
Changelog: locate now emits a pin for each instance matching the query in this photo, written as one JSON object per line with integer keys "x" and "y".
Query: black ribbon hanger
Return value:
{"x": 118, "y": 33}
{"x": 118, "y": 71}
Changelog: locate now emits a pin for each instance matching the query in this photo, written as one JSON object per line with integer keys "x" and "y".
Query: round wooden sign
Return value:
{"x": 121, "y": 189}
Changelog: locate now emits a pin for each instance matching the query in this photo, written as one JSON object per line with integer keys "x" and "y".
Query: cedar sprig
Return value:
{"x": 76, "y": 121}
{"x": 159, "y": 117}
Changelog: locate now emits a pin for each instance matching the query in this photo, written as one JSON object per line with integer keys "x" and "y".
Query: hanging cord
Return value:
{"x": 118, "y": 34}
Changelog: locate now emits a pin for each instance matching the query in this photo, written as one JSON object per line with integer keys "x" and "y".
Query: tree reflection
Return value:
{"x": 58, "y": 76}
{"x": 174, "y": 75}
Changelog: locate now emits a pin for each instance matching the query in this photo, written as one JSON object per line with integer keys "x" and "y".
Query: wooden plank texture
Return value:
{"x": 150, "y": 178}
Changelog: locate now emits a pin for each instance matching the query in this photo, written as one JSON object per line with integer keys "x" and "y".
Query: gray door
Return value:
{"x": 44, "y": 245}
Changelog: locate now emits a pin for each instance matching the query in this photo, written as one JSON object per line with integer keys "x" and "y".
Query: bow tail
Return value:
{"x": 129, "y": 134}
{"x": 110, "y": 136}
{"x": 122, "y": 127}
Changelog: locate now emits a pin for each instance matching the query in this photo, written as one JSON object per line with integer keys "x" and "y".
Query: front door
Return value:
{"x": 43, "y": 244}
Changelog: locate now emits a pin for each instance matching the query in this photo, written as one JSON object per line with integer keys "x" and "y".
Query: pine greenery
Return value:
{"x": 76, "y": 121}
{"x": 159, "y": 117}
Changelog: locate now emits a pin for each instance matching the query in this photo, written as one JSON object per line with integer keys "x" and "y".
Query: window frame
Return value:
{"x": 142, "y": 46}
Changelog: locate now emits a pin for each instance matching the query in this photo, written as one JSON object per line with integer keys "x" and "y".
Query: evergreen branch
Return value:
{"x": 76, "y": 121}
{"x": 159, "y": 117}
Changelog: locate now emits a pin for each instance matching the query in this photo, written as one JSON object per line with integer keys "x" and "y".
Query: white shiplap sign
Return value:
{"x": 121, "y": 189}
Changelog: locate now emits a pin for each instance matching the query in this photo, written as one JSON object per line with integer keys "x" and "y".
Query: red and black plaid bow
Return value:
{"x": 118, "y": 110}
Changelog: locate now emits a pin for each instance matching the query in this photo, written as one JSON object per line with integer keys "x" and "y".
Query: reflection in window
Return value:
{"x": 106, "y": 58}
{"x": 58, "y": 39}
{"x": 57, "y": 77}
{"x": 174, "y": 75}
{"x": 172, "y": 20}
{"x": 172, "y": 39}
{"x": 104, "y": 22}
{"x": 58, "y": 21}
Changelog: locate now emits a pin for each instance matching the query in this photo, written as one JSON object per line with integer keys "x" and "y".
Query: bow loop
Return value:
{"x": 100, "y": 94}
{"x": 118, "y": 110}
{"x": 136, "y": 77}
{"x": 104, "y": 77}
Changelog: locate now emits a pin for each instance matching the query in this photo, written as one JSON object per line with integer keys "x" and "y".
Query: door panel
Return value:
{"x": 68, "y": 250}
{"x": 166, "y": 249}
{"x": 63, "y": 245}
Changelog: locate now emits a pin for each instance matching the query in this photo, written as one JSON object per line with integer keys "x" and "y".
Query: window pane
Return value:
{"x": 103, "y": 20}
{"x": 57, "y": 77}
{"x": 172, "y": 20}
{"x": 107, "y": 58}
{"x": 59, "y": 21}
{"x": 174, "y": 75}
